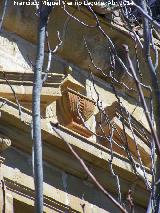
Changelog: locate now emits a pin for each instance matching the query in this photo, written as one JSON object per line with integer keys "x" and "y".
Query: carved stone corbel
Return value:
{"x": 73, "y": 106}
{"x": 115, "y": 116}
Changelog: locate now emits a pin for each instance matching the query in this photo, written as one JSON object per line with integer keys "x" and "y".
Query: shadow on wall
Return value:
{"x": 57, "y": 178}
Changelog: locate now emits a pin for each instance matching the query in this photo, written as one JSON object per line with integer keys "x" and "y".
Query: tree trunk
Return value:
{"x": 36, "y": 116}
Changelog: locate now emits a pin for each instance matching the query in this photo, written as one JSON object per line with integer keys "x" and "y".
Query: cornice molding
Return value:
{"x": 54, "y": 147}
{"x": 26, "y": 192}
{"x": 22, "y": 84}
{"x": 10, "y": 117}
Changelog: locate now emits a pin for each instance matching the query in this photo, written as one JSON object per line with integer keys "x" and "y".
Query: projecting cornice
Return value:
{"x": 16, "y": 73}
{"x": 54, "y": 147}
{"x": 23, "y": 188}
{"x": 20, "y": 85}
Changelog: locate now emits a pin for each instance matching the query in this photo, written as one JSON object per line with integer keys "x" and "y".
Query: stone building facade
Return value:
{"x": 67, "y": 188}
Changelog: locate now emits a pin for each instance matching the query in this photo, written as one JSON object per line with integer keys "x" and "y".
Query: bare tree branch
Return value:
{"x": 3, "y": 13}
{"x": 108, "y": 195}
{"x": 44, "y": 12}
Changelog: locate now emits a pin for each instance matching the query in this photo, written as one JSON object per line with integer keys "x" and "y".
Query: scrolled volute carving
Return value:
{"x": 5, "y": 142}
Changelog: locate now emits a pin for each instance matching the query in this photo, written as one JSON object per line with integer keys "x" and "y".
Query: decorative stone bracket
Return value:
{"x": 115, "y": 115}
{"x": 73, "y": 109}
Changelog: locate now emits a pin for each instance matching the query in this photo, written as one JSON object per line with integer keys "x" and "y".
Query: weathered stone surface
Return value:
{"x": 23, "y": 23}
{"x": 63, "y": 191}
{"x": 135, "y": 133}
{"x": 16, "y": 73}
{"x": 73, "y": 108}
{"x": 17, "y": 56}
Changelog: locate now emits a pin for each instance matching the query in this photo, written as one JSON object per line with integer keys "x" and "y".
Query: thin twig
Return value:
{"x": 15, "y": 96}
{"x": 142, "y": 99}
